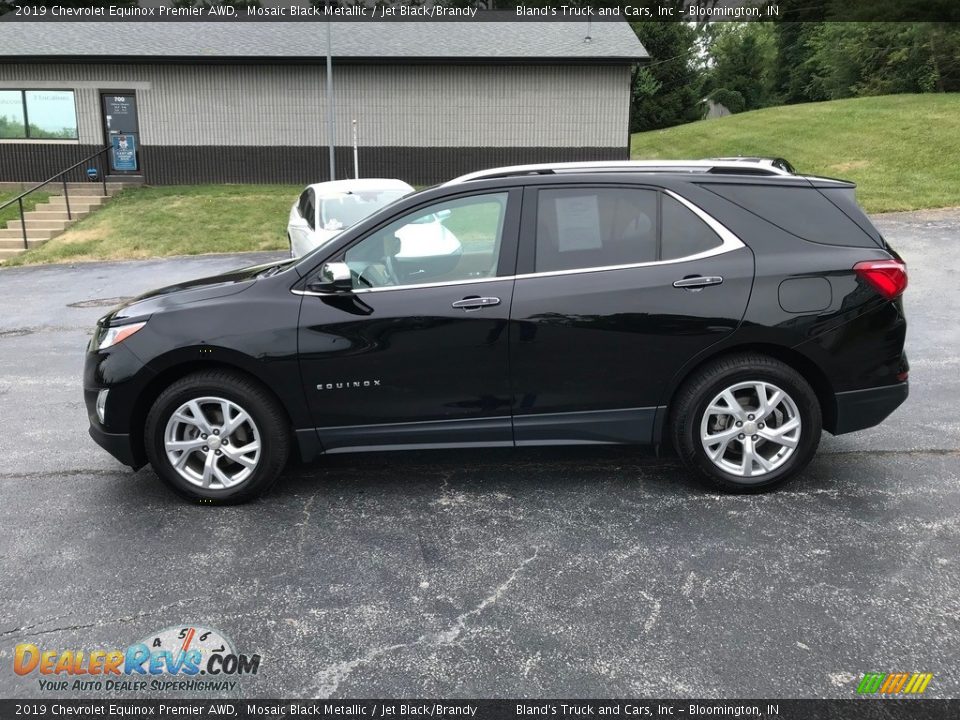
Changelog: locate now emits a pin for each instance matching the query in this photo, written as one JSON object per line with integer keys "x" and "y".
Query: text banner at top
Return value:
{"x": 699, "y": 11}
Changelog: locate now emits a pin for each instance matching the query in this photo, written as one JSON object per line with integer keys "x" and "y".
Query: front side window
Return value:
{"x": 38, "y": 114}
{"x": 451, "y": 241}
{"x": 595, "y": 227}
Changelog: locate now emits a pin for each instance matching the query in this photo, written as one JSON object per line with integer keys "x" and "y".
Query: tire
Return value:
{"x": 220, "y": 463}
{"x": 712, "y": 445}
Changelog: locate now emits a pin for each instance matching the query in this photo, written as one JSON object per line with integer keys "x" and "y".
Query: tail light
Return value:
{"x": 887, "y": 277}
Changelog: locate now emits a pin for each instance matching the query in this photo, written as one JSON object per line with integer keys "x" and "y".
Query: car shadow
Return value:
{"x": 486, "y": 469}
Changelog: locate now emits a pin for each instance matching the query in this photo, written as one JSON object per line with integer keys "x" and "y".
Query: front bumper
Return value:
{"x": 859, "y": 409}
{"x": 117, "y": 444}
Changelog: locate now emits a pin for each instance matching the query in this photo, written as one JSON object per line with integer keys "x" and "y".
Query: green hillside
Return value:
{"x": 903, "y": 151}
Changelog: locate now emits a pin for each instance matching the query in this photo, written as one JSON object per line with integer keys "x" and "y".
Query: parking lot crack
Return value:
{"x": 654, "y": 611}
{"x": 453, "y": 632}
{"x": 307, "y": 512}
{"x": 332, "y": 676}
{"x": 98, "y": 623}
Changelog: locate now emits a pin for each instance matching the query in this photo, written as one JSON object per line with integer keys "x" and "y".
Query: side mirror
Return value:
{"x": 333, "y": 277}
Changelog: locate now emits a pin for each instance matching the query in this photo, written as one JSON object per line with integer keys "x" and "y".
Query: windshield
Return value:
{"x": 342, "y": 211}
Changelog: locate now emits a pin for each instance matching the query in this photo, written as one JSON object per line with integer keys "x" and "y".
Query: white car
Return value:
{"x": 325, "y": 209}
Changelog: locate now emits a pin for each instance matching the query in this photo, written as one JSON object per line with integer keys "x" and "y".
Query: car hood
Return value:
{"x": 193, "y": 291}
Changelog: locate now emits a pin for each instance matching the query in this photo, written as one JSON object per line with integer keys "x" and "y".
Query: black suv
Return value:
{"x": 728, "y": 308}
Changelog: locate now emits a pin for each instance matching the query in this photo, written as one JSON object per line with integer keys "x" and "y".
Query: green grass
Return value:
{"x": 901, "y": 150}
{"x": 12, "y": 212}
{"x": 175, "y": 220}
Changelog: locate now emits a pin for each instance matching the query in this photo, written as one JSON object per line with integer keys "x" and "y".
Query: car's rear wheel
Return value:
{"x": 217, "y": 436}
{"x": 747, "y": 422}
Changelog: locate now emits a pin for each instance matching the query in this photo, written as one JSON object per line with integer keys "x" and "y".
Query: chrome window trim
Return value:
{"x": 728, "y": 243}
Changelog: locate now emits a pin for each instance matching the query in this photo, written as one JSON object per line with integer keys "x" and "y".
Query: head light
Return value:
{"x": 111, "y": 336}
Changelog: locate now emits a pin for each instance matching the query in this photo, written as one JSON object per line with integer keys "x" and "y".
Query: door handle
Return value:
{"x": 475, "y": 303}
{"x": 697, "y": 282}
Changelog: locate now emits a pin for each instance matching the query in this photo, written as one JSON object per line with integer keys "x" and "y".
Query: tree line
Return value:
{"x": 746, "y": 66}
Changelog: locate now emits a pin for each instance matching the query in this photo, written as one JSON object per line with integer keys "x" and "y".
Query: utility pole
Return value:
{"x": 331, "y": 127}
{"x": 356, "y": 164}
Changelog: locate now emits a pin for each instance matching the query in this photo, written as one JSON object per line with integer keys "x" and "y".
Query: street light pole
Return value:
{"x": 331, "y": 127}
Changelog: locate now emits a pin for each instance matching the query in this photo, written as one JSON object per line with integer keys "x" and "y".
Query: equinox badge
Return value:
{"x": 347, "y": 385}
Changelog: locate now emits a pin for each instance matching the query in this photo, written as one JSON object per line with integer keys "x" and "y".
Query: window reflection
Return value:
{"x": 52, "y": 114}
{"x": 11, "y": 114}
{"x": 38, "y": 114}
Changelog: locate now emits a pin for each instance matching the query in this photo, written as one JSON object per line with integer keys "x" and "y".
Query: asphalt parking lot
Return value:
{"x": 564, "y": 572}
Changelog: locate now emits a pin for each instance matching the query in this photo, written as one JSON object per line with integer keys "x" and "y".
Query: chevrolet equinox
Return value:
{"x": 730, "y": 308}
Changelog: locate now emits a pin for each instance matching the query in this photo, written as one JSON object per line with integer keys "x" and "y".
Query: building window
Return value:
{"x": 11, "y": 114}
{"x": 38, "y": 115}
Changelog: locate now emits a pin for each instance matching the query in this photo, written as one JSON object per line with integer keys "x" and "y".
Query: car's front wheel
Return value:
{"x": 217, "y": 436}
{"x": 746, "y": 422}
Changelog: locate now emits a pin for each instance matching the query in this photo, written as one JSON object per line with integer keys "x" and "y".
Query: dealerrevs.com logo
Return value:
{"x": 180, "y": 658}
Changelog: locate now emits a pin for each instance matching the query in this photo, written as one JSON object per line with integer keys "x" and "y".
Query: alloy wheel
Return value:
{"x": 750, "y": 429}
{"x": 212, "y": 442}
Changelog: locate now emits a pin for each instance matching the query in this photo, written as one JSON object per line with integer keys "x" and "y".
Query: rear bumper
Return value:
{"x": 117, "y": 444}
{"x": 859, "y": 409}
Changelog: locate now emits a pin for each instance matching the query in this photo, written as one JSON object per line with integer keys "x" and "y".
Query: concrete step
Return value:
{"x": 6, "y": 186}
{"x": 60, "y": 205}
{"x": 32, "y": 233}
{"x": 18, "y": 244}
{"x": 77, "y": 198}
{"x": 55, "y": 214}
{"x": 85, "y": 197}
{"x": 39, "y": 224}
{"x": 94, "y": 189}
{"x": 91, "y": 186}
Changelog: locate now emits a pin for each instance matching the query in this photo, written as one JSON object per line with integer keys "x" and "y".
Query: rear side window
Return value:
{"x": 801, "y": 211}
{"x": 583, "y": 228}
{"x": 595, "y": 227}
{"x": 845, "y": 199}
{"x": 684, "y": 234}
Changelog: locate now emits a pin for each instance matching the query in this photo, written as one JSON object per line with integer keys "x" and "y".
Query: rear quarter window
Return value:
{"x": 801, "y": 211}
{"x": 683, "y": 233}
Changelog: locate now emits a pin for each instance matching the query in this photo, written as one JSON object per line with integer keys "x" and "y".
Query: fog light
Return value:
{"x": 101, "y": 405}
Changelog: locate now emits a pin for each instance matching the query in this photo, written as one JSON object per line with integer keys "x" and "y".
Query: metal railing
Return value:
{"x": 62, "y": 175}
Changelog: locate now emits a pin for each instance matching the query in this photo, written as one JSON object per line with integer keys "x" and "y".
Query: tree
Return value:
{"x": 742, "y": 58}
{"x": 857, "y": 59}
{"x": 792, "y": 76}
{"x": 665, "y": 92}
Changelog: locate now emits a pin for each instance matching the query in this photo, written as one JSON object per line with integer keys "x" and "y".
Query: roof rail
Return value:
{"x": 750, "y": 166}
{"x": 775, "y": 162}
